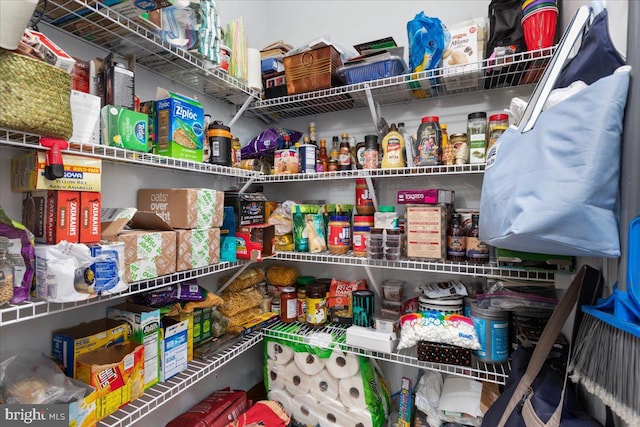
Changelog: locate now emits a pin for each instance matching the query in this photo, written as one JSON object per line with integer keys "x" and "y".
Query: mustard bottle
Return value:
{"x": 392, "y": 149}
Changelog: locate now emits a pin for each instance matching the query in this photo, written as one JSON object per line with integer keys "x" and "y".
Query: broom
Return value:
{"x": 606, "y": 360}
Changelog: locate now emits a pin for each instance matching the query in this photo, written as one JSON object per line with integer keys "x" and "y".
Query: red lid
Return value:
{"x": 430, "y": 119}
{"x": 498, "y": 117}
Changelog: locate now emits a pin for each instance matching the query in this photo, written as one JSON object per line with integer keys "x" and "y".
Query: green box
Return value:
{"x": 535, "y": 262}
{"x": 179, "y": 127}
{"x": 201, "y": 325}
{"x": 125, "y": 128}
{"x": 144, "y": 328}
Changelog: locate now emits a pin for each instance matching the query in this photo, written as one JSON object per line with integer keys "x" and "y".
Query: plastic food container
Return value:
{"x": 392, "y": 290}
{"x": 386, "y": 322}
{"x": 362, "y": 72}
{"x": 443, "y": 305}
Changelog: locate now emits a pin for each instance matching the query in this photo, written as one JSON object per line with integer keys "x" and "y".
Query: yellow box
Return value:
{"x": 80, "y": 173}
{"x": 82, "y": 412}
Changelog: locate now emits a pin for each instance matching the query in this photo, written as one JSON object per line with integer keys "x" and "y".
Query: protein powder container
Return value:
{"x": 493, "y": 332}
{"x": 219, "y": 144}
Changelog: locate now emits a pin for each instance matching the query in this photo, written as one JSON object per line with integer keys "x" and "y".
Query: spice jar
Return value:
{"x": 332, "y": 165}
{"x": 303, "y": 282}
{"x": 498, "y": 124}
{"x": 370, "y": 152}
{"x": 460, "y": 148}
{"x": 288, "y": 305}
{"x": 316, "y": 305}
{"x": 339, "y": 235}
{"x": 477, "y": 136}
{"x": 364, "y": 202}
{"x": 428, "y": 143}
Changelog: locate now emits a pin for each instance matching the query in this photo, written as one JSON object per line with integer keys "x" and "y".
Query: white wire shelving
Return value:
{"x": 515, "y": 70}
{"x": 301, "y": 333}
{"x": 15, "y": 313}
{"x": 157, "y": 395}
{"x": 93, "y": 22}
{"x": 446, "y": 267}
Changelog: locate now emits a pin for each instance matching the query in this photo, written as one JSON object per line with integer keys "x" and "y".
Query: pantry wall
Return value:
{"x": 297, "y": 22}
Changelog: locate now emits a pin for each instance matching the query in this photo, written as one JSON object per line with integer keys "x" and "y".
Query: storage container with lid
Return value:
{"x": 477, "y": 136}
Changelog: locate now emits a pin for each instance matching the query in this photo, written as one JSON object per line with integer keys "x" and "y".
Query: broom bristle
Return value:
{"x": 606, "y": 361}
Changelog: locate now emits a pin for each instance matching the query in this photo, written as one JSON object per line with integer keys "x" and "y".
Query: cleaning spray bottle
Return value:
{"x": 392, "y": 149}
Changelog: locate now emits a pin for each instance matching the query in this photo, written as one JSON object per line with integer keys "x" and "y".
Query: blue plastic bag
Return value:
{"x": 428, "y": 38}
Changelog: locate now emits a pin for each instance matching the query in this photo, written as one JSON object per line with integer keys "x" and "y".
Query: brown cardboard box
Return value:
{"x": 184, "y": 207}
{"x": 149, "y": 244}
{"x": 197, "y": 248}
{"x": 426, "y": 229}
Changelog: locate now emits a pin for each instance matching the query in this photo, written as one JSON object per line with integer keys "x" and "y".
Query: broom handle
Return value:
{"x": 544, "y": 346}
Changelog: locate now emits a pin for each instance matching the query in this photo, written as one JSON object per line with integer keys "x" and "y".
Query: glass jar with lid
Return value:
{"x": 477, "y": 136}
{"x": 460, "y": 146}
{"x": 498, "y": 124}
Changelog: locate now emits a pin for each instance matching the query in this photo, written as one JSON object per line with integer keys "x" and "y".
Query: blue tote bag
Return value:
{"x": 551, "y": 184}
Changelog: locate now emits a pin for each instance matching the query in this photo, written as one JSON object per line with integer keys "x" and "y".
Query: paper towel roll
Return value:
{"x": 295, "y": 381}
{"x": 351, "y": 391}
{"x": 275, "y": 373}
{"x": 332, "y": 414}
{"x": 283, "y": 397}
{"x": 358, "y": 418}
{"x": 324, "y": 386}
{"x": 305, "y": 410}
{"x": 342, "y": 365}
{"x": 308, "y": 363}
{"x": 254, "y": 71}
{"x": 281, "y": 354}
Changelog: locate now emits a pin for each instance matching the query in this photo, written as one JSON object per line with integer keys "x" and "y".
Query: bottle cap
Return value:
{"x": 498, "y": 117}
{"x": 306, "y": 280}
{"x": 371, "y": 141}
{"x": 426, "y": 119}
{"x": 386, "y": 208}
{"x": 479, "y": 115}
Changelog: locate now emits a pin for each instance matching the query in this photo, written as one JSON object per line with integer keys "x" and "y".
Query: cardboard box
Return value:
{"x": 248, "y": 208}
{"x": 429, "y": 195}
{"x": 149, "y": 246}
{"x": 255, "y": 242}
{"x": 184, "y": 207}
{"x": 534, "y": 261}
{"x": 69, "y": 343}
{"x": 52, "y": 216}
{"x": 80, "y": 173}
{"x": 228, "y": 236}
{"x": 82, "y": 412}
{"x": 117, "y": 372}
{"x": 426, "y": 230}
{"x": 371, "y": 339}
{"x": 119, "y": 81}
{"x": 173, "y": 347}
{"x": 197, "y": 248}
{"x": 181, "y": 317}
{"x": 144, "y": 328}
{"x": 124, "y": 128}
{"x": 90, "y": 206}
{"x": 202, "y": 326}
{"x": 179, "y": 126}
{"x": 462, "y": 66}
{"x": 51, "y": 52}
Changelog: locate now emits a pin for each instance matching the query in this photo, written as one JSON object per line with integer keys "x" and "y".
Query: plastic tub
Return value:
{"x": 359, "y": 72}
{"x": 392, "y": 290}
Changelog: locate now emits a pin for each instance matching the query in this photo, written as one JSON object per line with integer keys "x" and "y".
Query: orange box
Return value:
{"x": 90, "y": 217}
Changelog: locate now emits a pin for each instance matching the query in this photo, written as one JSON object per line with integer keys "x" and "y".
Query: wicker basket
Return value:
{"x": 34, "y": 96}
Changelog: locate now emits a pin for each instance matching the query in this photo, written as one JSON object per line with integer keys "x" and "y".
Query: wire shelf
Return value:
{"x": 495, "y": 373}
{"x": 447, "y": 267}
{"x": 31, "y": 141}
{"x": 516, "y": 70}
{"x": 160, "y": 393}
{"x": 15, "y": 313}
{"x": 96, "y": 23}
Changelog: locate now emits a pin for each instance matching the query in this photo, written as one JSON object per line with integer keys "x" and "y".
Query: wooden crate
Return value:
{"x": 312, "y": 70}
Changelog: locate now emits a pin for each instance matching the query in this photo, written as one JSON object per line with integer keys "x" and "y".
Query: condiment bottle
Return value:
{"x": 456, "y": 240}
{"x": 344, "y": 156}
{"x": 364, "y": 201}
{"x": 288, "y": 305}
{"x": 312, "y": 133}
{"x": 445, "y": 143}
{"x": 392, "y": 149}
{"x": 236, "y": 148}
{"x": 335, "y": 149}
{"x": 427, "y": 148}
{"x": 403, "y": 132}
{"x": 322, "y": 156}
{"x": 370, "y": 152}
{"x": 477, "y": 250}
{"x": 303, "y": 282}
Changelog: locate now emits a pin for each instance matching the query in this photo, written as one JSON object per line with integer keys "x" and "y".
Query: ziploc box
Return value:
{"x": 149, "y": 242}
{"x": 179, "y": 126}
{"x": 144, "y": 328}
{"x": 68, "y": 344}
{"x": 197, "y": 248}
{"x": 184, "y": 207}
{"x": 173, "y": 348}
{"x": 80, "y": 173}
{"x": 117, "y": 372}
{"x": 124, "y": 128}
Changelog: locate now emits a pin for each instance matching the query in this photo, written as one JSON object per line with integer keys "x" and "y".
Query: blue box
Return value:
{"x": 271, "y": 65}
{"x": 362, "y": 72}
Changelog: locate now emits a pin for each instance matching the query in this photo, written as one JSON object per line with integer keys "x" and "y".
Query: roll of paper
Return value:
{"x": 305, "y": 410}
{"x": 254, "y": 71}
{"x": 332, "y": 414}
{"x": 275, "y": 375}
{"x": 283, "y": 397}
{"x": 279, "y": 353}
{"x": 324, "y": 386}
{"x": 351, "y": 391}
{"x": 308, "y": 363}
{"x": 358, "y": 418}
{"x": 342, "y": 365}
{"x": 295, "y": 381}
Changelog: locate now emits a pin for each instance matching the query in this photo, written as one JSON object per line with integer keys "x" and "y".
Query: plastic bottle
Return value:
{"x": 219, "y": 144}
{"x": 344, "y": 155}
{"x": 322, "y": 155}
{"x": 335, "y": 150}
{"x": 312, "y": 133}
{"x": 402, "y": 131}
{"x": 427, "y": 147}
{"x": 477, "y": 250}
{"x": 393, "y": 149}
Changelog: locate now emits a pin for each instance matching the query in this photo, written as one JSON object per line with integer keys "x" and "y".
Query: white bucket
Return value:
{"x": 14, "y": 18}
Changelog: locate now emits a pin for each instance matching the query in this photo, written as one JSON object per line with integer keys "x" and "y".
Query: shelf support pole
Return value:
{"x": 372, "y": 106}
{"x": 372, "y": 191}
{"x": 372, "y": 281}
{"x": 246, "y": 185}
{"x": 242, "y": 109}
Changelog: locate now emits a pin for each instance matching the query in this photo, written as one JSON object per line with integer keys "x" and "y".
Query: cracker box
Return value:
{"x": 89, "y": 223}
{"x": 184, "y": 207}
{"x": 149, "y": 244}
{"x": 52, "y": 216}
{"x": 68, "y": 344}
{"x": 144, "y": 328}
{"x": 173, "y": 347}
{"x": 179, "y": 126}
{"x": 197, "y": 248}
{"x": 426, "y": 227}
{"x": 80, "y": 173}
{"x": 124, "y": 128}
{"x": 117, "y": 372}
{"x": 255, "y": 242}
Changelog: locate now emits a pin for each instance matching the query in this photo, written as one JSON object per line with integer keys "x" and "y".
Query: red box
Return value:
{"x": 216, "y": 410}
{"x": 61, "y": 217}
{"x": 426, "y": 196}
{"x": 90, "y": 217}
{"x": 255, "y": 242}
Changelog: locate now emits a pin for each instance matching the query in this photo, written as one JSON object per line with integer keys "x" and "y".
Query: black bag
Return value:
{"x": 534, "y": 391}
{"x": 505, "y": 28}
